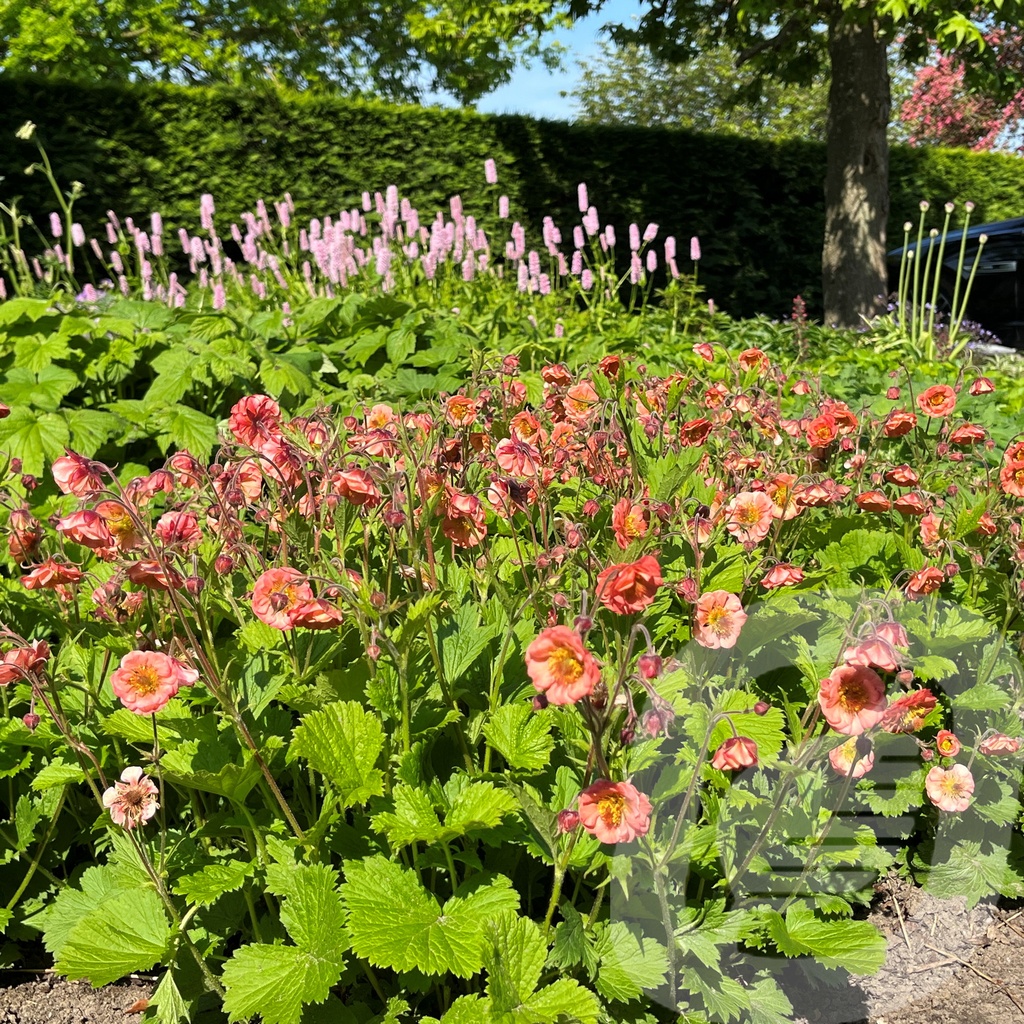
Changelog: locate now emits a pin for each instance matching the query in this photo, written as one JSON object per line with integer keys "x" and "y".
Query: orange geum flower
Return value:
{"x": 782, "y": 575}
{"x": 924, "y": 581}
{"x": 629, "y": 521}
{"x": 938, "y": 400}
{"x": 630, "y": 586}
{"x": 873, "y": 501}
{"x": 614, "y": 812}
{"x": 907, "y": 713}
{"x": 947, "y": 744}
{"x": 277, "y": 594}
{"x": 735, "y": 753}
{"x": 560, "y": 666}
{"x": 899, "y": 422}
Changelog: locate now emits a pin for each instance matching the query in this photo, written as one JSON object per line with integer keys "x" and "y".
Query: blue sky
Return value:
{"x": 535, "y": 91}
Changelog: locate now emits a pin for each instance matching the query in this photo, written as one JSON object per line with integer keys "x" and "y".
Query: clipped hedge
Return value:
{"x": 756, "y": 205}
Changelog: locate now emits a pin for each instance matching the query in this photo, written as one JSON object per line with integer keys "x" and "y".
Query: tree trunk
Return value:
{"x": 857, "y": 174}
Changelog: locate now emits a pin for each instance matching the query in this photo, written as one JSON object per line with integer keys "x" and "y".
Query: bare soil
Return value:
{"x": 945, "y": 963}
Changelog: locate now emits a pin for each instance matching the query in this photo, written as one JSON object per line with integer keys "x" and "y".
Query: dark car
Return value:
{"x": 996, "y": 299}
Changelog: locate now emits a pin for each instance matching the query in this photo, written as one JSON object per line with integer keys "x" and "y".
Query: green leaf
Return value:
{"x": 37, "y": 351}
{"x": 969, "y": 872}
{"x": 857, "y": 946}
{"x": 515, "y": 961}
{"x": 476, "y": 806}
{"x": 275, "y": 982}
{"x": 57, "y": 773}
{"x": 182, "y": 427}
{"x": 766, "y": 730}
{"x": 281, "y": 375}
{"x": 521, "y": 736}
{"x": 127, "y": 933}
{"x": 414, "y": 819}
{"x": 35, "y": 438}
{"x": 396, "y": 923}
{"x": 666, "y": 474}
{"x": 205, "y": 765}
{"x": 400, "y": 345}
{"x": 91, "y": 429}
{"x": 768, "y": 1004}
{"x": 564, "y": 999}
{"x": 44, "y": 389}
{"x": 342, "y": 742}
{"x": 168, "y": 1002}
{"x": 206, "y": 886}
{"x": 462, "y": 640}
{"x": 983, "y": 696}
{"x": 630, "y": 964}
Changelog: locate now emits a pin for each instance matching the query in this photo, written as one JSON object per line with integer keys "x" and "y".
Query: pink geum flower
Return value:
{"x": 950, "y": 789}
{"x": 19, "y": 661}
{"x": 86, "y": 528}
{"x": 75, "y": 474}
{"x": 629, "y": 521}
{"x": 782, "y": 575}
{"x": 51, "y": 575}
{"x": 152, "y": 575}
{"x": 132, "y": 801}
{"x": 873, "y": 652}
{"x": 560, "y": 666}
{"x": 852, "y": 699}
{"x": 938, "y": 400}
{"x": 147, "y": 680}
{"x": 179, "y": 530}
{"x": 465, "y": 521}
{"x": 999, "y": 743}
{"x": 278, "y": 594}
{"x": 614, "y": 812}
{"x": 255, "y": 420}
{"x": 517, "y": 458}
{"x": 735, "y": 753}
{"x": 581, "y": 402}
{"x": 924, "y": 581}
{"x": 749, "y": 516}
{"x": 843, "y": 758}
{"x": 630, "y": 586}
{"x": 718, "y": 619}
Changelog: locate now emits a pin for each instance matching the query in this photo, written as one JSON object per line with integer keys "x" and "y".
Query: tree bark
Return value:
{"x": 857, "y": 173}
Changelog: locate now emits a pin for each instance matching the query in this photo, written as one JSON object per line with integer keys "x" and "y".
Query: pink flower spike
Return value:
{"x": 490, "y": 172}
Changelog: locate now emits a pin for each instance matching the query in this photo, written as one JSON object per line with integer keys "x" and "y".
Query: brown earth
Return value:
{"x": 945, "y": 964}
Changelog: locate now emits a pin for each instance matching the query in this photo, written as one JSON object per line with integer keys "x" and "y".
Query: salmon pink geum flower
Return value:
{"x": 630, "y": 586}
{"x": 852, "y": 699}
{"x": 735, "y": 753}
{"x": 950, "y": 789}
{"x": 277, "y": 594}
{"x": 749, "y": 516}
{"x": 718, "y": 619}
{"x": 255, "y": 420}
{"x": 938, "y": 400}
{"x": 999, "y": 743}
{"x": 19, "y": 661}
{"x": 146, "y": 680}
{"x": 133, "y": 800}
{"x": 614, "y": 812}
{"x": 782, "y": 575}
{"x": 845, "y": 761}
{"x": 560, "y": 666}
{"x": 75, "y": 474}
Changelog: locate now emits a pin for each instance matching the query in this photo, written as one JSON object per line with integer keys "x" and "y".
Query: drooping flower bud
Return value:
{"x": 568, "y": 820}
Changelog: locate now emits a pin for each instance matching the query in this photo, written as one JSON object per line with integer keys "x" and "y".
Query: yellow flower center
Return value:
{"x": 565, "y": 666}
{"x": 718, "y": 620}
{"x": 144, "y": 680}
{"x": 612, "y": 808}
{"x": 634, "y": 525}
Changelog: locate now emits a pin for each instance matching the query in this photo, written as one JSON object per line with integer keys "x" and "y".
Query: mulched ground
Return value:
{"x": 945, "y": 964}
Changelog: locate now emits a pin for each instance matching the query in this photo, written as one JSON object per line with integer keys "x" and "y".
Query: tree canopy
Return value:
{"x": 394, "y": 48}
{"x": 628, "y": 85}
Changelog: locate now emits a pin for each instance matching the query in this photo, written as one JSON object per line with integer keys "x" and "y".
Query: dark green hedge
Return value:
{"x": 757, "y": 206}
